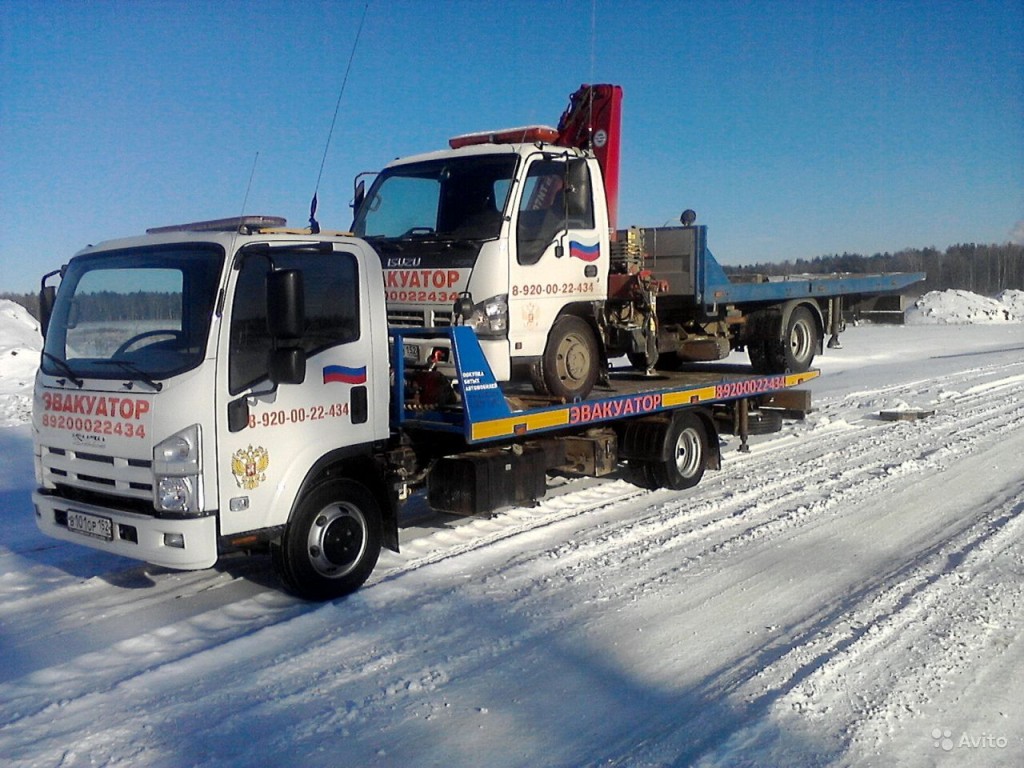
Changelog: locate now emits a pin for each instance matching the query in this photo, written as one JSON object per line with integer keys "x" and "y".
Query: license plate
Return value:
{"x": 91, "y": 525}
{"x": 412, "y": 352}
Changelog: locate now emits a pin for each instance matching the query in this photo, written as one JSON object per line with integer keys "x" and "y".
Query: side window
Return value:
{"x": 332, "y": 300}
{"x": 332, "y": 309}
{"x": 579, "y": 202}
{"x": 541, "y": 210}
{"x": 250, "y": 338}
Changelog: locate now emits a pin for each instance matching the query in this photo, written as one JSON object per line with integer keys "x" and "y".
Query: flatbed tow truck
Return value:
{"x": 234, "y": 386}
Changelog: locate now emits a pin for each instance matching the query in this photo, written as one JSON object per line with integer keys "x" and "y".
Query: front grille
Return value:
{"x": 410, "y": 318}
{"x": 406, "y": 318}
{"x": 99, "y": 473}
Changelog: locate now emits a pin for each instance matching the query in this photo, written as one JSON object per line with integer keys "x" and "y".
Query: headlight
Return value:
{"x": 490, "y": 317}
{"x": 177, "y": 468}
{"x": 174, "y": 494}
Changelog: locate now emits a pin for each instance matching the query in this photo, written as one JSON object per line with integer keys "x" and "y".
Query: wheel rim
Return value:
{"x": 337, "y": 540}
{"x": 800, "y": 339}
{"x": 573, "y": 359}
{"x": 688, "y": 452}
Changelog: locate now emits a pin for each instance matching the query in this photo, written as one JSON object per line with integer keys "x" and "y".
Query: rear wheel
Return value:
{"x": 569, "y": 367}
{"x": 332, "y": 542}
{"x": 758, "y": 353}
{"x": 684, "y": 453}
{"x": 802, "y": 340}
{"x": 793, "y": 350}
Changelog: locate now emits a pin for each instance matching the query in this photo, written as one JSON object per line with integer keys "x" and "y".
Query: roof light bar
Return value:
{"x": 527, "y": 134}
{"x": 243, "y": 224}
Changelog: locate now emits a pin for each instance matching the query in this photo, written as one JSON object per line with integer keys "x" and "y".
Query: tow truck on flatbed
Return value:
{"x": 519, "y": 227}
{"x": 234, "y": 385}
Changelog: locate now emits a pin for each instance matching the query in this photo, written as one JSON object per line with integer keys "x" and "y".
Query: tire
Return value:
{"x": 641, "y": 474}
{"x": 332, "y": 542}
{"x": 758, "y": 354}
{"x": 684, "y": 453}
{"x": 569, "y": 368}
{"x": 794, "y": 351}
{"x": 801, "y": 341}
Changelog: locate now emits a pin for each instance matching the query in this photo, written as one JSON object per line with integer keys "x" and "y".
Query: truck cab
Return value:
{"x": 510, "y": 232}
{"x": 172, "y": 385}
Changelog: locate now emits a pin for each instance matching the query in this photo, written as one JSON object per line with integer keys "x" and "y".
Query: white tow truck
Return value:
{"x": 234, "y": 386}
{"x": 516, "y": 228}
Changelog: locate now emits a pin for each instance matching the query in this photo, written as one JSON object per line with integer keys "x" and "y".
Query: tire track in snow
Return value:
{"x": 808, "y": 658}
{"x": 798, "y": 485}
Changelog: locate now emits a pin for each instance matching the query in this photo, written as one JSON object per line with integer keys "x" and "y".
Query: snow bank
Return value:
{"x": 1014, "y": 300}
{"x": 20, "y": 343}
{"x": 956, "y": 307}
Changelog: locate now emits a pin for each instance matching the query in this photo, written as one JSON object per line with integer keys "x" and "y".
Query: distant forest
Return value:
{"x": 984, "y": 269}
{"x": 106, "y": 305}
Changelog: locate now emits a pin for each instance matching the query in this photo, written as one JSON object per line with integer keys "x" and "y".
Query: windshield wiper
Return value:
{"x": 136, "y": 373}
{"x": 65, "y": 369}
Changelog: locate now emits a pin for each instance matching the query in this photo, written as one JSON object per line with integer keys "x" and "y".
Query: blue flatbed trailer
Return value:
{"x": 492, "y": 447}
{"x": 703, "y": 314}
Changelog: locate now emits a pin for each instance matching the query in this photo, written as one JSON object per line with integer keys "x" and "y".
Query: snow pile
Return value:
{"x": 1013, "y": 300}
{"x": 20, "y": 343}
{"x": 957, "y": 307}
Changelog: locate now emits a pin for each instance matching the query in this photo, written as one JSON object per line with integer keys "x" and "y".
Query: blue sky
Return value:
{"x": 794, "y": 129}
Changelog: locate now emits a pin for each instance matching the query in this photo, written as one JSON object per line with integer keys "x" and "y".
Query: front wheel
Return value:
{"x": 571, "y": 361}
{"x": 332, "y": 542}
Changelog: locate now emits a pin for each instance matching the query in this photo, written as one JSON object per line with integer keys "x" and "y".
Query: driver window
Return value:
{"x": 332, "y": 310}
{"x": 541, "y": 210}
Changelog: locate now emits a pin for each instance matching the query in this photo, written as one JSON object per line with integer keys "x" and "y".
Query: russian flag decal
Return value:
{"x": 584, "y": 252}
{"x": 336, "y": 373}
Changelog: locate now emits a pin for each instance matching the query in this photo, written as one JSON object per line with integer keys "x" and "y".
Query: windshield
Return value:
{"x": 457, "y": 198}
{"x": 134, "y": 314}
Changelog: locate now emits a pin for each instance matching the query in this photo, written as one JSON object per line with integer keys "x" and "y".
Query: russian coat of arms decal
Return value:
{"x": 249, "y": 466}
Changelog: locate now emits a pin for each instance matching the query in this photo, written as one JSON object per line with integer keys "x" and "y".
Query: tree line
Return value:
{"x": 111, "y": 306}
{"x": 983, "y": 269}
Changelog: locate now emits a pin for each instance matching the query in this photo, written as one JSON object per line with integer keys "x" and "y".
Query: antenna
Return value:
{"x": 252, "y": 173}
{"x": 314, "y": 226}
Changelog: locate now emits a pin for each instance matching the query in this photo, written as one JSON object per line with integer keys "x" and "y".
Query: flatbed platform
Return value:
{"x": 487, "y": 413}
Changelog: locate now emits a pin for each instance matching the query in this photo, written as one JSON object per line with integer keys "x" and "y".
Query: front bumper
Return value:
{"x": 141, "y": 537}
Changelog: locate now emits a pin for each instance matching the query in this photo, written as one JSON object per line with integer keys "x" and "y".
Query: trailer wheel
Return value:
{"x": 684, "y": 453}
{"x": 570, "y": 363}
{"x": 801, "y": 341}
{"x": 793, "y": 352}
{"x": 758, "y": 353}
{"x": 332, "y": 542}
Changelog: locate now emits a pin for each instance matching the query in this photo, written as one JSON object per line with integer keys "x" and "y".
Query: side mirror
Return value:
{"x": 238, "y": 414}
{"x": 47, "y": 298}
{"x": 286, "y": 304}
{"x": 286, "y": 318}
{"x": 359, "y": 195}
{"x": 287, "y": 365}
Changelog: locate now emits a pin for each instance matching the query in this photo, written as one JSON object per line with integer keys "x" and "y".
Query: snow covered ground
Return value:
{"x": 850, "y": 592}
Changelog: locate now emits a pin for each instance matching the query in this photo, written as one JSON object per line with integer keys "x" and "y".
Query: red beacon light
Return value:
{"x": 527, "y": 134}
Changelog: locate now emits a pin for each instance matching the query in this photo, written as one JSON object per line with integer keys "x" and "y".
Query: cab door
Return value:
{"x": 555, "y": 259}
{"x": 271, "y": 435}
